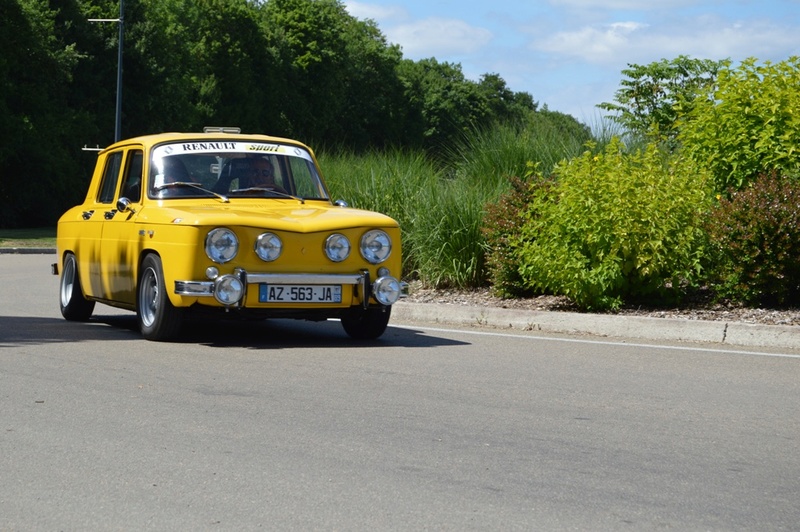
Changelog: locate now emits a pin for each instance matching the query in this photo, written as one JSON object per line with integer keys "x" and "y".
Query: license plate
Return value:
{"x": 294, "y": 293}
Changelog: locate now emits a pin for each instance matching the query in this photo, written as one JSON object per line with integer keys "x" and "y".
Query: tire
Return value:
{"x": 158, "y": 319}
{"x": 74, "y": 305}
{"x": 366, "y": 324}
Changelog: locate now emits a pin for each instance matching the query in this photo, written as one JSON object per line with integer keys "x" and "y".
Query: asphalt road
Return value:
{"x": 292, "y": 426}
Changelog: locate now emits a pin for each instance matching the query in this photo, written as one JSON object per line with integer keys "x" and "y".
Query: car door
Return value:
{"x": 120, "y": 244}
{"x": 94, "y": 216}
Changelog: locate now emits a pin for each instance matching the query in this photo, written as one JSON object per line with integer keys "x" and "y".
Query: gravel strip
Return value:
{"x": 692, "y": 310}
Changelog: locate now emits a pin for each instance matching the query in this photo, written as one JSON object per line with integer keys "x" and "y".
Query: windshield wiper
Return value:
{"x": 271, "y": 190}
{"x": 191, "y": 184}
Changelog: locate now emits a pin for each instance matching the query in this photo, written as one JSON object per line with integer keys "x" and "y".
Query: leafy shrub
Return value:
{"x": 749, "y": 125}
{"x": 756, "y": 240}
{"x": 502, "y": 224}
{"x": 617, "y": 226}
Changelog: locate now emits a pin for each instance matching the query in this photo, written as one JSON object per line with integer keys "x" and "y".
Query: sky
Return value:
{"x": 570, "y": 54}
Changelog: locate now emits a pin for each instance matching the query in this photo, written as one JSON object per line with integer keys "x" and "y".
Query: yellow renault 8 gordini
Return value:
{"x": 241, "y": 225}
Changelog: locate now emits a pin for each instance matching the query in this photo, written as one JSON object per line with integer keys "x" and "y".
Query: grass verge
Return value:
{"x": 28, "y": 238}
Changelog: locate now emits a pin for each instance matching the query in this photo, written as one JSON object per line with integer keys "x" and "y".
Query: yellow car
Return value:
{"x": 219, "y": 221}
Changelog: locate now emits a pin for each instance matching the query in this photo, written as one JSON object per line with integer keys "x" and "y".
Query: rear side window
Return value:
{"x": 108, "y": 186}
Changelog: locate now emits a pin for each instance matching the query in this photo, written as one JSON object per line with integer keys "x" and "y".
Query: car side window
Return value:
{"x": 132, "y": 182}
{"x": 108, "y": 186}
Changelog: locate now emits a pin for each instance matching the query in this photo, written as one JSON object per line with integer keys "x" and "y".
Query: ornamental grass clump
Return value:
{"x": 617, "y": 226}
{"x": 755, "y": 237}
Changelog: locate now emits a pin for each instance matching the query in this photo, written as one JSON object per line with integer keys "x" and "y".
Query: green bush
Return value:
{"x": 617, "y": 226}
{"x": 749, "y": 125}
{"x": 756, "y": 241}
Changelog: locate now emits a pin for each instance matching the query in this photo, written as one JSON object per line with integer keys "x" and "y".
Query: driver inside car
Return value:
{"x": 262, "y": 175}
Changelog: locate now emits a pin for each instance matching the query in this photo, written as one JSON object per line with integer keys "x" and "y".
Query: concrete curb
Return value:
{"x": 644, "y": 328}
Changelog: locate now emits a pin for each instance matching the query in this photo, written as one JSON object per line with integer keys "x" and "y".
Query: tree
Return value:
{"x": 374, "y": 100}
{"x": 443, "y": 105}
{"x": 505, "y": 105}
{"x": 562, "y": 126}
{"x": 314, "y": 35}
{"x": 646, "y": 103}
{"x": 37, "y": 152}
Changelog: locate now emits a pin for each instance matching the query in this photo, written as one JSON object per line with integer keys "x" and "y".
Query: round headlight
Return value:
{"x": 228, "y": 289}
{"x": 376, "y": 246}
{"x": 386, "y": 290}
{"x": 268, "y": 247}
{"x": 221, "y": 245}
{"x": 337, "y": 247}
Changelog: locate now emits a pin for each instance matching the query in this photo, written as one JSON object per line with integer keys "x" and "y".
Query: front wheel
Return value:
{"x": 74, "y": 305}
{"x": 158, "y": 319}
{"x": 366, "y": 324}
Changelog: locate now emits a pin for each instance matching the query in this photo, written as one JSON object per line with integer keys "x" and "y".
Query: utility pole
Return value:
{"x": 121, "y": 22}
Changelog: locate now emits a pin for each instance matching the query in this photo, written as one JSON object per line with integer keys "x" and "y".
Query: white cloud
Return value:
{"x": 717, "y": 39}
{"x": 702, "y": 37}
{"x": 375, "y": 12}
{"x": 632, "y": 5}
{"x": 438, "y": 37}
{"x": 601, "y": 44}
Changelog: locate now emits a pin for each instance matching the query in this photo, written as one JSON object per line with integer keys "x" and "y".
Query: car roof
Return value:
{"x": 159, "y": 138}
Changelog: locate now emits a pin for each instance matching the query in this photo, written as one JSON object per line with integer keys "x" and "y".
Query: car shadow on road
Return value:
{"x": 31, "y": 330}
{"x": 264, "y": 334}
{"x": 283, "y": 334}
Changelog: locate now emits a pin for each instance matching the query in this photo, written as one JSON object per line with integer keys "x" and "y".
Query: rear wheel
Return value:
{"x": 158, "y": 319}
{"x": 74, "y": 305}
{"x": 366, "y": 324}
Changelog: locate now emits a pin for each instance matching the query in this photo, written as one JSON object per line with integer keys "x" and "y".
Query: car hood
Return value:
{"x": 272, "y": 214}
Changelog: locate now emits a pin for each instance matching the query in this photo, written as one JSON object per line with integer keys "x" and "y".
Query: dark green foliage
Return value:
{"x": 756, "y": 242}
{"x": 504, "y": 104}
{"x": 443, "y": 106}
{"x": 374, "y": 99}
{"x": 37, "y": 172}
{"x": 560, "y": 127}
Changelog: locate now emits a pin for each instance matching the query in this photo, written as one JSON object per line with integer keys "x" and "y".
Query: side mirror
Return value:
{"x": 124, "y": 205}
{"x": 341, "y": 203}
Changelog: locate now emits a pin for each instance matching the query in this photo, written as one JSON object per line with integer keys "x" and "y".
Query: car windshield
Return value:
{"x": 234, "y": 169}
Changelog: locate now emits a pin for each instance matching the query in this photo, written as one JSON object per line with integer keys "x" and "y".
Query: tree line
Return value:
{"x": 304, "y": 69}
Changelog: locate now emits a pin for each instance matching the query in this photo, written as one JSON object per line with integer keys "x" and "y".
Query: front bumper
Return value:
{"x": 385, "y": 290}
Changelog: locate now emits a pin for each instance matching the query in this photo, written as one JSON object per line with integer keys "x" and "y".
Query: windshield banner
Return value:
{"x": 213, "y": 147}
